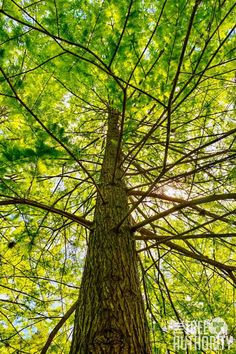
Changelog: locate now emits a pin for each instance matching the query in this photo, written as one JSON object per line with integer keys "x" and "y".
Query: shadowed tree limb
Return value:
{"x": 148, "y": 235}
{"x": 200, "y": 257}
{"x": 122, "y": 34}
{"x": 175, "y": 81}
{"x": 77, "y": 219}
{"x": 168, "y": 198}
{"x": 208, "y": 199}
{"x": 58, "y": 326}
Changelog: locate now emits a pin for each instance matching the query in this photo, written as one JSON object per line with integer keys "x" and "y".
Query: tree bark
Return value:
{"x": 110, "y": 316}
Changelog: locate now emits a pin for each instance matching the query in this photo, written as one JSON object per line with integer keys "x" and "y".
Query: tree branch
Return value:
{"x": 58, "y": 326}
{"x": 200, "y": 257}
{"x": 180, "y": 200}
{"x": 148, "y": 235}
{"x": 208, "y": 199}
{"x": 122, "y": 33}
{"x": 169, "y": 110}
{"x": 77, "y": 219}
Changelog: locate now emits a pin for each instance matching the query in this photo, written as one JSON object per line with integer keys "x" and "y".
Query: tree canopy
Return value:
{"x": 168, "y": 68}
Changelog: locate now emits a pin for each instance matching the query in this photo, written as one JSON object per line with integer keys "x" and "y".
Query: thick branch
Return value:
{"x": 208, "y": 199}
{"x": 163, "y": 196}
{"x": 148, "y": 235}
{"x": 78, "y": 219}
{"x": 200, "y": 257}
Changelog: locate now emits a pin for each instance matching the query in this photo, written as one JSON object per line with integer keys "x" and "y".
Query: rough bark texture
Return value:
{"x": 110, "y": 316}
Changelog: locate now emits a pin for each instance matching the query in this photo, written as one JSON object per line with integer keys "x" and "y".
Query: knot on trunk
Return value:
{"x": 109, "y": 337}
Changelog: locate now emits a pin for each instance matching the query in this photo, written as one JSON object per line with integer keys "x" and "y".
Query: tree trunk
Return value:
{"x": 110, "y": 316}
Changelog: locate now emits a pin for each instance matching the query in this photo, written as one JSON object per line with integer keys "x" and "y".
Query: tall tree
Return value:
{"x": 117, "y": 172}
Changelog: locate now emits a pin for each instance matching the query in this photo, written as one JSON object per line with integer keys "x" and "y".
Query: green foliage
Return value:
{"x": 64, "y": 64}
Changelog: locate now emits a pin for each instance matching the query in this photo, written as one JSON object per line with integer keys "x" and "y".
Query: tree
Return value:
{"x": 117, "y": 172}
